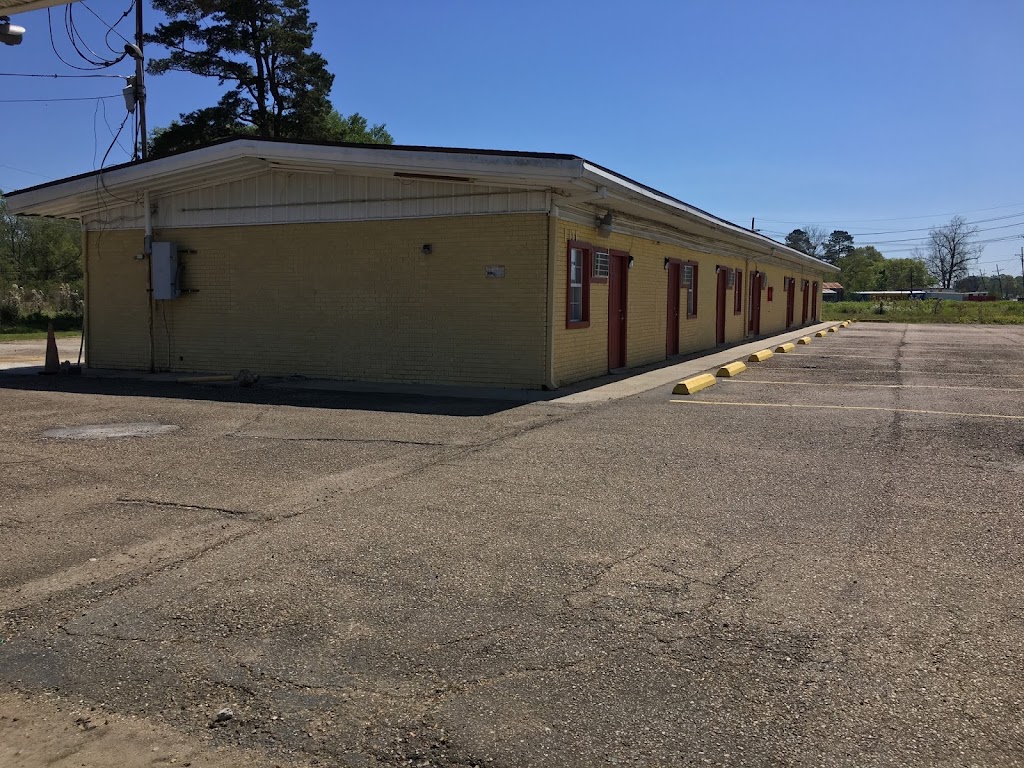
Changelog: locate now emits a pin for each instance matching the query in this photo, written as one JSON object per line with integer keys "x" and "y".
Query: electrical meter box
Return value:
{"x": 164, "y": 271}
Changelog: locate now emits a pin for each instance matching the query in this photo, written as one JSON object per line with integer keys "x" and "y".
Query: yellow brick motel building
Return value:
{"x": 410, "y": 264}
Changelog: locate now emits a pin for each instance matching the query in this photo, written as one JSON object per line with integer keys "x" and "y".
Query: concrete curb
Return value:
{"x": 786, "y": 347}
{"x": 761, "y": 356}
{"x": 693, "y": 384}
{"x": 659, "y": 377}
{"x": 731, "y": 369}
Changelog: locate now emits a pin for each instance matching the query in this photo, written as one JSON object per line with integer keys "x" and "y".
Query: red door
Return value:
{"x": 807, "y": 301}
{"x": 814, "y": 302}
{"x": 756, "y": 285}
{"x": 617, "y": 296}
{"x": 723, "y": 287}
{"x": 790, "y": 300}
{"x": 672, "y": 321}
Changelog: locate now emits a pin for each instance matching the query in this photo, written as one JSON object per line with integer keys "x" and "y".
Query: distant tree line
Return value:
{"x": 945, "y": 260}
{"x": 40, "y": 268}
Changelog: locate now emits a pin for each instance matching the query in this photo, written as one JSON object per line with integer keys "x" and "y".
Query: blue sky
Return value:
{"x": 867, "y": 116}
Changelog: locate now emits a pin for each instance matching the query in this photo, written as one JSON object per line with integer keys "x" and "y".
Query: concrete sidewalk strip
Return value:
{"x": 643, "y": 382}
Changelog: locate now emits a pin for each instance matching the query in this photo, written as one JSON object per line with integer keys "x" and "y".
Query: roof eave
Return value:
{"x": 604, "y": 177}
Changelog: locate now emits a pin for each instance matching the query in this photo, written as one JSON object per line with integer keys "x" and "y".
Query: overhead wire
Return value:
{"x": 896, "y": 218}
{"x": 110, "y": 27}
{"x": 76, "y": 37}
{"x": 55, "y": 76}
{"x": 62, "y": 98}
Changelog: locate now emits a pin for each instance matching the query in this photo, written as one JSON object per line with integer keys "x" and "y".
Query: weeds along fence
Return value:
{"x": 927, "y": 311}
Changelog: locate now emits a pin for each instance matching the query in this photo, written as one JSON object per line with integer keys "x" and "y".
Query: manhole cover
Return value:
{"x": 108, "y": 431}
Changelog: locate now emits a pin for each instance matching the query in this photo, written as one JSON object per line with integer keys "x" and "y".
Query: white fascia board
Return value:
{"x": 477, "y": 166}
{"x": 78, "y": 195}
{"x": 639, "y": 194}
{"x": 10, "y": 7}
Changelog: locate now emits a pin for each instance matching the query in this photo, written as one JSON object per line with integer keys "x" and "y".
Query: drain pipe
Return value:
{"x": 147, "y": 253}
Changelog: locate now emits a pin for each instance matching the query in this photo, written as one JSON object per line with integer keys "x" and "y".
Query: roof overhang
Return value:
{"x": 572, "y": 181}
{"x": 9, "y": 7}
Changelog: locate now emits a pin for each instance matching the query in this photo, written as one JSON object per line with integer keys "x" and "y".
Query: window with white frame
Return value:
{"x": 602, "y": 264}
{"x": 577, "y": 299}
{"x": 688, "y": 279}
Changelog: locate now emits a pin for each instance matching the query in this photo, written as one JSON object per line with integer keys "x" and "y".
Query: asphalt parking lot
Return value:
{"x": 817, "y": 563}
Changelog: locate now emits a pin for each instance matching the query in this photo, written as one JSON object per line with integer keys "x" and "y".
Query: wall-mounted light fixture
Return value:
{"x": 604, "y": 224}
{"x": 666, "y": 262}
{"x": 629, "y": 263}
{"x": 427, "y": 249}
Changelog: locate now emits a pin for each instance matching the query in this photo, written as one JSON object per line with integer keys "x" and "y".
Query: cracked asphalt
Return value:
{"x": 815, "y": 564}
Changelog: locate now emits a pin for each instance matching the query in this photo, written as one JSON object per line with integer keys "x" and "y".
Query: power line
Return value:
{"x": 22, "y": 170}
{"x": 914, "y": 229}
{"x": 110, "y": 27}
{"x": 40, "y": 74}
{"x": 116, "y": 136}
{"x": 896, "y": 218}
{"x": 69, "y": 98}
{"x": 53, "y": 45}
{"x": 928, "y": 229}
{"x": 923, "y": 239}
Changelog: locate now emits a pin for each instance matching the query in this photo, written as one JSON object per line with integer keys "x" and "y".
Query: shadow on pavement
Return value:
{"x": 232, "y": 393}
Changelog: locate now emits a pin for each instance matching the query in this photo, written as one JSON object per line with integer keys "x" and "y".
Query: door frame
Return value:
{"x": 721, "y": 301}
{"x": 673, "y": 305}
{"x": 618, "y": 278}
{"x": 756, "y": 286}
{"x": 790, "y": 301}
{"x": 805, "y": 290}
{"x": 814, "y": 301}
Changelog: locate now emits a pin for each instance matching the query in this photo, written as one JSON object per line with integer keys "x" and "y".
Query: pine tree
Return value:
{"x": 278, "y": 86}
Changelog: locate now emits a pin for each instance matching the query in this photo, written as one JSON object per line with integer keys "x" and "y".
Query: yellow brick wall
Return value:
{"x": 773, "y": 313}
{"x": 582, "y": 353}
{"x": 351, "y": 300}
{"x": 117, "y": 308}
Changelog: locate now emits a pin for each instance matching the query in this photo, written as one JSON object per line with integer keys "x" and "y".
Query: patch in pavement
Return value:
{"x": 110, "y": 431}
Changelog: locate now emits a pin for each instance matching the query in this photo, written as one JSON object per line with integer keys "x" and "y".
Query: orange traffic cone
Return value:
{"x": 52, "y": 358}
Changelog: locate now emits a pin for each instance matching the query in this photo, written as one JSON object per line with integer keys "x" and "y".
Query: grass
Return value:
{"x": 16, "y": 334}
{"x": 33, "y": 326}
{"x": 926, "y": 311}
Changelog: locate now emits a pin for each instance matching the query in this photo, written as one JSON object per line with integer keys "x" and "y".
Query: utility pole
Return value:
{"x": 1021, "y": 270}
{"x": 135, "y": 91}
{"x": 999, "y": 277}
{"x": 140, "y": 82}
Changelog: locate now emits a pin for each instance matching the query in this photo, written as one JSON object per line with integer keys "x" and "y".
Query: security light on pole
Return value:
{"x": 10, "y": 34}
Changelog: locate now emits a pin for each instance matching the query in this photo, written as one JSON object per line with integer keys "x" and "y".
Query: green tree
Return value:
{"x": 278, "y": 86}
{"x": 38, "y": 251}
{"x": 861, "y": 269}
{"x": 905, "y": 275}
{"x": 798, "y": 240}
{"x": 839, "y": 244}
{"x": 810, "y": 240}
